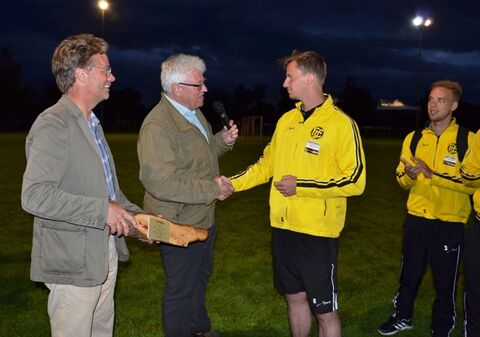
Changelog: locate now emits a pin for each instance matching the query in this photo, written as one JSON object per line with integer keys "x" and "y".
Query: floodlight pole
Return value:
{"x": 421, "y": 23}
{"x": 103, "y": 5}
{"x": 419, "y": 79}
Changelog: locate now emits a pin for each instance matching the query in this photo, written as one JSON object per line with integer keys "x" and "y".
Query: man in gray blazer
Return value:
{"x": 71, "y": 189}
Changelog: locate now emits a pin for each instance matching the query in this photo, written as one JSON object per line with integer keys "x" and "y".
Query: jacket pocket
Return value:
{"x": 306, "y": 213}
{"x": 62, "y": 250}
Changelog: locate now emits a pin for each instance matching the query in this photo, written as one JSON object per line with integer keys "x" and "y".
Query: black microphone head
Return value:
{"x": 220, "y": 110}
{"x": 218, "y": 107}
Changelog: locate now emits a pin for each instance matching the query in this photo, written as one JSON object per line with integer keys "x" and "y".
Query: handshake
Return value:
{"x": 226, "y": 188}
{"x": 154, "y": 228}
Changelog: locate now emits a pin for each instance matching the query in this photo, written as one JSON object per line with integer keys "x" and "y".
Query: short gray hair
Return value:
{"x": 176, "y": 68}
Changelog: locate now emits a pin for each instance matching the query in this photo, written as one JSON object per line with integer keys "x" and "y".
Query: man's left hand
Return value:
{"x": 426, "y": 170}
{"x": 229, "y": 136}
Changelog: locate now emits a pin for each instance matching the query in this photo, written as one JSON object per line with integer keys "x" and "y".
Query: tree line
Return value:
{"x": 124, "y": 110}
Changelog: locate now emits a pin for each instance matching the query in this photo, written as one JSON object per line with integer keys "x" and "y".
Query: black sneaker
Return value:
{"x": 394, "y": 325}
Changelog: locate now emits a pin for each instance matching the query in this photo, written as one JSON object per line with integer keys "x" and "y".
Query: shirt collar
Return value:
{"x": 299, "y": 104}
{"x": 94, "y": 120}
{"x": 184, "y": 111}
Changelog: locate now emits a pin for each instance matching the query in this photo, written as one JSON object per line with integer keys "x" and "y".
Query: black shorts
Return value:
{"x": 303, "y": 262}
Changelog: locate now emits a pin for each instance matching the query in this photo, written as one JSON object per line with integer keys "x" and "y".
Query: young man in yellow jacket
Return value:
{"x": 316, "y": 160}
{"x": 438, "y": 207}
{"x": 470, "y": 171}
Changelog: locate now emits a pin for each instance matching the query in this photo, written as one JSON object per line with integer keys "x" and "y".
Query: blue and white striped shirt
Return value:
{"x": 103, "y": 147}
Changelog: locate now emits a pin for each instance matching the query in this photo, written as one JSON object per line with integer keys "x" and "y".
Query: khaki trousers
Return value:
{"x": 84, "y": 311}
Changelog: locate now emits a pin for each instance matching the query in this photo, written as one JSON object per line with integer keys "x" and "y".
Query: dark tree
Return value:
{"x": 467, "y": 114}
{"x": 17, "y": 108}
{"x": 123, "y": 111}
{"x": 357, "y": 102}
{"x": 242, "y": 100}
{"x": 49, "y": 96}
{"x": 285, "y": 103}
{"x": 251, "y": 102}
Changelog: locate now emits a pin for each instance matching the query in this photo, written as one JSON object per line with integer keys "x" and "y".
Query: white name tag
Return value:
{"x": 450, "y": 161}
{"x": 312, "y": 147}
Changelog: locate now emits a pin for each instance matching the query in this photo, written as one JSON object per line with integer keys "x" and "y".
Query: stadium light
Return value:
{"x": 422, "y": 21}
{"x": 103, "y": 5}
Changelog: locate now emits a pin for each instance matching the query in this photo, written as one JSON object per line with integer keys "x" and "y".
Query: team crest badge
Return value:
{"x": 452, "y": 148}
{"x": 317, "y": 132}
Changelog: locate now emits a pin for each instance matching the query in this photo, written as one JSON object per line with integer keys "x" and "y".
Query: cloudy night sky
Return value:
{"x": 372, "y": 41}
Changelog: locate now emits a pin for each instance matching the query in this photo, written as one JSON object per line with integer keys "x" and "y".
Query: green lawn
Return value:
{"x": 241, "y": 298}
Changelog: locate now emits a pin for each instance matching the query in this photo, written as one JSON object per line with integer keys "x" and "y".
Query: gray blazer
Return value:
{"x": 64, "y": 188}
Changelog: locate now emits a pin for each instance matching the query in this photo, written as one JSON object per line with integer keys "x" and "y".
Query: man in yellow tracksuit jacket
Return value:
{"x": 438, "y": 207}
{"x": 316, "y": 160}
{"x": 470, "y": 171}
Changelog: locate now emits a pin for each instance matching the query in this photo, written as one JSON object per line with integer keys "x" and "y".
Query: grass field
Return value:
{"x": 241, "y": 300}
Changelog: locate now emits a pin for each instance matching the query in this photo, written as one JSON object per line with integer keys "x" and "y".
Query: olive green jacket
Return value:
{"x": 177, "y": 166}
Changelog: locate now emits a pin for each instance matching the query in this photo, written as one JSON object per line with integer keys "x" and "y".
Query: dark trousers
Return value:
{"x": 186, "y": 276}
{"x": 439, "y": 244}
{"x": 472, "y": 279}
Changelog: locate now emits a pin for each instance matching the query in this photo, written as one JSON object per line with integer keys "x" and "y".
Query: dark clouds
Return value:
{"x": 373, "y": 41}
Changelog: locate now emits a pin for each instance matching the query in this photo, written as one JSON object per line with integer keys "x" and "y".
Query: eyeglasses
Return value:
{"x": 108, "y": 69}
{"x": 198, "y": 86}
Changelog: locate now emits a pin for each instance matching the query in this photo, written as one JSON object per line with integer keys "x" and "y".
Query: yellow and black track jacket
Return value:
{"x": 325, "y": 153}
{"x": 470, "y": 171}
{"x": 442, "y": 197}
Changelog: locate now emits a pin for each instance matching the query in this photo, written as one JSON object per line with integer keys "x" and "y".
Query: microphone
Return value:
{"x": 220, "y": 110}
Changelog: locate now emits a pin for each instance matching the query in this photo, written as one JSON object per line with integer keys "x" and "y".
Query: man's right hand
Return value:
{"x": 118, "y": 219}
{"x": 226, "y": 188}
{"x": 410, "y": 170}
